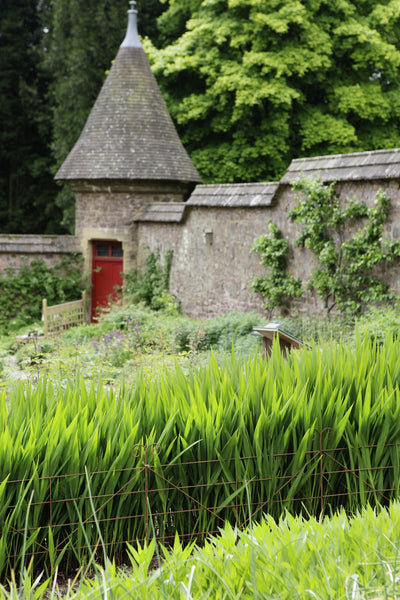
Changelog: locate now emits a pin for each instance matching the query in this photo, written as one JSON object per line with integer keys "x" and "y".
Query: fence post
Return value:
{"x": 321, "y": 453}
{"x": 44, "y": 311}
{"x": 137, "y": 451}
{"x": 84, "y": 319}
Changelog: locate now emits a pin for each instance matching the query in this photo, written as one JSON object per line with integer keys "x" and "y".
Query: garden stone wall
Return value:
{"x": 212, "y": 266}
{"x": 211, "y": 232}
{"x": 19, "y": 250}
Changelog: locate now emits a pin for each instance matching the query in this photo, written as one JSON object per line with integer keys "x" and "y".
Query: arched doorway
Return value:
{"x": 107, "y": 267}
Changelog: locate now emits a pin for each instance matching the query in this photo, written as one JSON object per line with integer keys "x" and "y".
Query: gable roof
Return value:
{"x": 377, "y": 164}
{"x": 129, "y": 133}
{"x": 233, "y": 195}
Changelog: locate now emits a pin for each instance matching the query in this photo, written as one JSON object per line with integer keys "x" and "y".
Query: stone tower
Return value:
{"x": 128, "y": 154}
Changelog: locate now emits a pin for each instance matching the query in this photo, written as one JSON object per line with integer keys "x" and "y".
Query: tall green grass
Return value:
{"x": 205, "y": 423}
{"x": 294, "y": 559}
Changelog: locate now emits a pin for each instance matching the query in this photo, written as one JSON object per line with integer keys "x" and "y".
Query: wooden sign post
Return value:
{"x": 286, "y": 340}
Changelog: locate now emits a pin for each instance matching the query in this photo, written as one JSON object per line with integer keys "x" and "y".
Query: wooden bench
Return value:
{"x": 60, "y": 317}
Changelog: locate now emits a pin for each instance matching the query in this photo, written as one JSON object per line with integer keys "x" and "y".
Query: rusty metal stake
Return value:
{"x": 321, "y": 468}
{"x": 137, "y": 451}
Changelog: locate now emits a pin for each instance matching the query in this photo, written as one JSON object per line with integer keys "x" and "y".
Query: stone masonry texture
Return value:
{"x": 212, "y": 265}
{"x": 19, "y": 250}
{"x": 214, "y": 278}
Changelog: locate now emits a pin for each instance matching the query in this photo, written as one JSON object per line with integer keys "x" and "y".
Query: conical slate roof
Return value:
{"x": 129, "y": 133}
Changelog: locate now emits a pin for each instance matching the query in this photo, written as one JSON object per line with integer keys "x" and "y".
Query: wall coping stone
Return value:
{"x": 234, "y": 195}
{"x": 39, "y": 244}
{"x": 354, "y": 166}
{"x": 161, "y": 212}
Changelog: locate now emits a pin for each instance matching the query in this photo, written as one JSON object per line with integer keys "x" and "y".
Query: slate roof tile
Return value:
{"x": 233, "y": 195}
{"x": 129, "y": 133}
{"x": 377, "y": 164}
{"x": 162, "y": 212}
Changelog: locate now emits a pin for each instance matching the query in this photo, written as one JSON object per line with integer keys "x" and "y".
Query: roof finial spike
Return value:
{"x": 132, "y": 37}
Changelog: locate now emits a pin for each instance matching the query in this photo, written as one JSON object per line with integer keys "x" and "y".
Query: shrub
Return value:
{"x": 150, "y": 286}
{"x": 21, "y": 293}
{"x": 173, "y": 333}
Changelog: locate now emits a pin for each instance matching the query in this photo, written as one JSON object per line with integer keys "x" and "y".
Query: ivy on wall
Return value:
{"x": 277, "y": 287}
{"x": 345, "y": 277}
{"x": 347, "y": 254}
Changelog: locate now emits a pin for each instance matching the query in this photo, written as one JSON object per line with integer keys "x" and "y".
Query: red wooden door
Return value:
{"x": 106, "y": 274}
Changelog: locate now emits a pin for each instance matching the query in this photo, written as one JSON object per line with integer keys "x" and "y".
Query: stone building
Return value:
{"x": 128, "y": 155}
{"x": 136, "y": 188}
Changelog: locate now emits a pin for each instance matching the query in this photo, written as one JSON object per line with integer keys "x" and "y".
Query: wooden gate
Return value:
{"x": 106, "y": 273}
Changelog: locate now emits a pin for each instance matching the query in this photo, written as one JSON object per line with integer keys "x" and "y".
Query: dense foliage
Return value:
{"x": 22, "y": 292}
{"x": 254, "y": 84}
{"x": 250, "y": 85}
{"x": 297, "y": 558}
{"x": 27, "y": 189}
{"x": 243, "y": 408}
{"x": 344, "y": 558}
{"x": 345, "y": 276}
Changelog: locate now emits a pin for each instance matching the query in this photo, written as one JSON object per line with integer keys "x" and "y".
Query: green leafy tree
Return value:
{"x": 27, "y": 188}
{"x": 252, "y": 84}
{"x": 345, "y": 276}
{"x": 277, "y": 287}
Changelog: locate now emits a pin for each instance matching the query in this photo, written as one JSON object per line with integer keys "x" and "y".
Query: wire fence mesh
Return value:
{"x": 72, "y": 513}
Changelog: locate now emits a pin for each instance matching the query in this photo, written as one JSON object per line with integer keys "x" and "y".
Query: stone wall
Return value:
{"x": 212, "y": 265}
{"x": 107, "y": 211}
{"x": 18, "y": 250}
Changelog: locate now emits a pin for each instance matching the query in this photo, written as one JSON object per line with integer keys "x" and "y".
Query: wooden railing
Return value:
{"x": 60, "y": 317}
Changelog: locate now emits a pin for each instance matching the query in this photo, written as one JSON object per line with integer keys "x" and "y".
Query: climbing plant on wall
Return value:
{"x": 277, "y": 287}
{"x": 345, "y": 276}
{"x": 150, "y": 285}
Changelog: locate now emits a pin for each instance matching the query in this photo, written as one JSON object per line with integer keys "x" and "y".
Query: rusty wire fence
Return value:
{"x": 75, "y": 515}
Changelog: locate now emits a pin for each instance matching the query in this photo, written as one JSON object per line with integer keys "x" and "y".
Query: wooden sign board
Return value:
{"x": 273, "y": 330}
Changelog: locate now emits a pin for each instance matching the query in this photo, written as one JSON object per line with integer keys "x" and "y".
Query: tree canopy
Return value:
{"x": 54, "y": 56}
{"x": 253, "y": 84}
{"x": 27, "y": 189}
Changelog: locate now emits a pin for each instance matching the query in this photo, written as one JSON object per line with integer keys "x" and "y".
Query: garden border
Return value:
{"x": 149, "y": 479}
